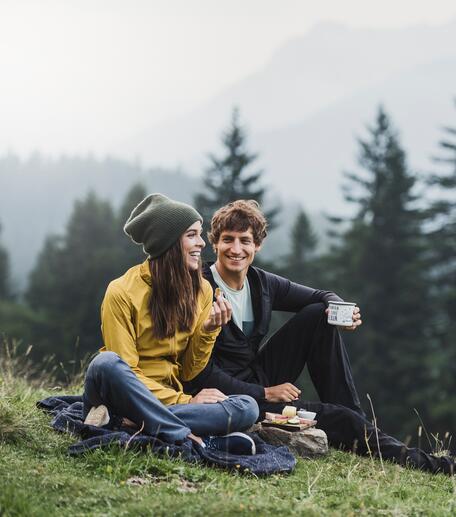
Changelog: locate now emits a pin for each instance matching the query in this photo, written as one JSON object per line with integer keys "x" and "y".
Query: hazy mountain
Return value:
{"x": 304, "y": 110}
{"x": 305, "y": 107}
{"x": 306, "y": 160}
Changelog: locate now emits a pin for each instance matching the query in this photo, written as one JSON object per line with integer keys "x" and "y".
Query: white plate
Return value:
{"x": 308, "y": 415}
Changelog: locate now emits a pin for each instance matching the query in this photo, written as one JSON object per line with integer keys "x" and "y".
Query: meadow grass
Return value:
{"x": 39, "y": 478}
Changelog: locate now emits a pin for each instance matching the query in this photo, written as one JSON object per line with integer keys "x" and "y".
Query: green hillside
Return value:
{"x": 37, "y": 477}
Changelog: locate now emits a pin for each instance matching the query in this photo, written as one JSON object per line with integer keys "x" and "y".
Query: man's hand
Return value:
{"x": 282, "y": 393}
{"x": 208, "y": 396}
{"x": 357, "y": 321}
{"x": 220, "y": 314}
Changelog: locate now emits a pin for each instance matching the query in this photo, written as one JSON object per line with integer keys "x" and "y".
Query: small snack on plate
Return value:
{"x": 286, "y": 422}
{"x": 275, "y": 416}
{"x": 289, "y": 411}
{"x": 294, "y": 420}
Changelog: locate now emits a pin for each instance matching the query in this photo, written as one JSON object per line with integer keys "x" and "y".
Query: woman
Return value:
{"x": 159, "y": 325}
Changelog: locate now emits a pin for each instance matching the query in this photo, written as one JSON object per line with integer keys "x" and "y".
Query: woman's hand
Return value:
{"x": 208, "y": 396}
{"x": 220, "y": 314}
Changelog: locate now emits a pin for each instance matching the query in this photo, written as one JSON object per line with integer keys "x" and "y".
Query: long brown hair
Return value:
{"x": 175, "y": 292}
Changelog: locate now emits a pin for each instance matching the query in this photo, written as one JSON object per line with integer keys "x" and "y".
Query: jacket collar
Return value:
{"x": 252, "y": 274}
{"x": 144, "y": 271}
{"x": 255, "y": 289}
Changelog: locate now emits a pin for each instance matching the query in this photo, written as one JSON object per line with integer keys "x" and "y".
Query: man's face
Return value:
{"x": 235, "y": 251}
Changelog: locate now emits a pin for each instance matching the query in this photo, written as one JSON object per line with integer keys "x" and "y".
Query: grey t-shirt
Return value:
{"x": 240, "y": 300}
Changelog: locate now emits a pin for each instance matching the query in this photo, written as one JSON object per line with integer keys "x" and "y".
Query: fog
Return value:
{"x": 81, "y": 76}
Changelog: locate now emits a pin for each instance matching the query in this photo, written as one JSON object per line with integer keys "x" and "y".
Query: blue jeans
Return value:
{"x": 110, "y": 381}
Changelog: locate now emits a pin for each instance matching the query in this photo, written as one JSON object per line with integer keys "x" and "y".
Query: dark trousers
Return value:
{"x": 308, "y": 339}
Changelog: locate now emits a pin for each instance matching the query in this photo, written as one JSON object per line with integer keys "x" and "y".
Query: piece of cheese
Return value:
{"x": 289, "y": 411}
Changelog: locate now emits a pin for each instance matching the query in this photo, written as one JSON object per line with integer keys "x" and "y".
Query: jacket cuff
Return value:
{"x": 256, "y": 391}
{"x": 210, "y": 333}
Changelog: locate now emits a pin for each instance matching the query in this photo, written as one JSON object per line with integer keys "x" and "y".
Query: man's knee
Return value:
{"x": 314, "y": 310}
{"x": 311, "y": 314}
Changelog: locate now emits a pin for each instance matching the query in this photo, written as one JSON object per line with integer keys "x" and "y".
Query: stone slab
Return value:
{"x": 307, "y": 443}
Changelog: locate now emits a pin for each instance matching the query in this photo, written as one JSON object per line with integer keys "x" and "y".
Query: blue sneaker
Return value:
{"x": 234, "y": 443}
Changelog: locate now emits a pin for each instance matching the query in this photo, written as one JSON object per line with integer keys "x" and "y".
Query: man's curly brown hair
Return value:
{"x": 239, "y": 216}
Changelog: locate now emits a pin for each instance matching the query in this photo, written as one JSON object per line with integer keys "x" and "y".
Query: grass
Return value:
{"x": 37, "y": 477}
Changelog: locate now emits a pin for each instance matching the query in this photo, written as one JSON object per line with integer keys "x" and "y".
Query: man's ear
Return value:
{"x": 257, "y": 248}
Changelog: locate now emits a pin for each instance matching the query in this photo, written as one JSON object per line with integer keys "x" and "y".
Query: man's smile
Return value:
{"x": 236, "y": 259}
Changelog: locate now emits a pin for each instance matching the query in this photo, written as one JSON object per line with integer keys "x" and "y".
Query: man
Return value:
{"x": 239, "y": 364}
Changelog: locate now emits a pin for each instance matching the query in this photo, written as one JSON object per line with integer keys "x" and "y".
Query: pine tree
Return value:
{"x": 301, "y": 264}
{"x": 68, "y": 282}
{"x": 442, "y": 250}
{"x": 4, "y": 273}
{"x": 228, "y": 179}
{"x": 381, "y": 266}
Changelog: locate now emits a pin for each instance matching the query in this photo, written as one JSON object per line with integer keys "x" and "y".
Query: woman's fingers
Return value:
{"x": 229, "y": 311}
{"x": 225, "y": 309}
{"x": 214, "y": 392}
{"x": 209, "y": 396}
{"x": 207, "y": 399}
{"x": 220, "y": 314}
{"x": 217, "y": 314}
{"x": 222, "y": 310}
{"x": 213, "y": 400}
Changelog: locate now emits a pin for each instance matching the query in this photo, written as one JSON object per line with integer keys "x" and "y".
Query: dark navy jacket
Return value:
{"x": 232, "y": 367}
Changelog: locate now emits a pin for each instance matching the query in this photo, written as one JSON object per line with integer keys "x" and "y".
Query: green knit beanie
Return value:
{"x": 158, "y": 222}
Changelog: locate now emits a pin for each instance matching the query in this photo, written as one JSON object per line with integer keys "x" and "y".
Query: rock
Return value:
{"x": 307, "y": 443}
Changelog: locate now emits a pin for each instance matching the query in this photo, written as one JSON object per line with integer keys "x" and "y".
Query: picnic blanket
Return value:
{"x": 67, "y": 418}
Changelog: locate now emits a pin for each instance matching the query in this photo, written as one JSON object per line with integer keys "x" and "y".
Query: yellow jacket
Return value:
{"x": 160, "y": 364}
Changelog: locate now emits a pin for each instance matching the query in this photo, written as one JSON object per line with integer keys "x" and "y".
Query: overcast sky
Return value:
{"x": 78, "y": 75}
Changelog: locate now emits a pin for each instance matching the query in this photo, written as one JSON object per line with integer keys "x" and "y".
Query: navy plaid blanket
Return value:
{"x": 67, "y": 418}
